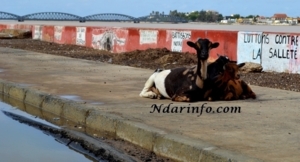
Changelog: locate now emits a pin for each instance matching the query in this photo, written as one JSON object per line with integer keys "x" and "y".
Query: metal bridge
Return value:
{"x": 9, "y": 16}
{"x": 60, "y": 16}
{"x": 51, "y": 16}
{"x": 109, "y": 17}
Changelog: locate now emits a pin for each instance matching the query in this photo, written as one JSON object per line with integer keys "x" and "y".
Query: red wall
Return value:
{"x": 48, "y": 33}
{"x": 128, "y": 39}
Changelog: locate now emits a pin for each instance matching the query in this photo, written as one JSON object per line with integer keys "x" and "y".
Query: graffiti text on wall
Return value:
{"x": 80, "y": 35}
{"x": 288, "y": 53}
{"x": 284, "y": 53}
{"x": 148, "y": 36}
{"x": 258, "y": 39}
{"x": 58, "y": 32}
{"x": 37, "y": 32}
{"x": 106, "y": 40}
{"x": 177, "y": 38}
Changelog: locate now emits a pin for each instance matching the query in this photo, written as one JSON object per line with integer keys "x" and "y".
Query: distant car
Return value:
{"x": 20, "y": 19}
{"x": 136, "y": 21}
{"x": 82, "y": 20}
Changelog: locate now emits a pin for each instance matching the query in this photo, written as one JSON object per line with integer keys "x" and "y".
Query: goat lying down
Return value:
{"x": 229, "y": 86}
{"x": 214, "y": 69}
{"x": 181, "y": 84}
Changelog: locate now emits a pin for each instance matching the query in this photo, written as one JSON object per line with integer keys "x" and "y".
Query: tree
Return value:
{"x": 250, "y": 16}
{"x": 183, "y": 15}
{"x": 236, "y": 16}
{"x": 220, "y": 17}
{"x": 209, "y": 17}
{"x": 193, "y": 16}
{"x": 173, "y": 13}
{"x": 202, "y": 16}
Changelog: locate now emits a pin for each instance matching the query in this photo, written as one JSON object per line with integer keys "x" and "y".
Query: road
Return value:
{"x": 198, "y": 26}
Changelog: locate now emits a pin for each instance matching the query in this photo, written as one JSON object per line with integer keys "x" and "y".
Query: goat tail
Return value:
{"x": 146, "y": 92}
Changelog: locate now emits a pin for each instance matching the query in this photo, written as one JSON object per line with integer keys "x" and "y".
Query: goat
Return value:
{"x": 181, "y": 84}
{"x": 217, "y": 67}
{"x": 229, "y": 86}
{"x": 214, "y": 69}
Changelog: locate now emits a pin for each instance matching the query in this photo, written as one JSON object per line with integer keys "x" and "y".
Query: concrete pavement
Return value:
{"x": 265, "y": 129}
{"x": 188, "y": 26}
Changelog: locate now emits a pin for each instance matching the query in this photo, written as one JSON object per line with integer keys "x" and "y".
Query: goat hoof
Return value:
{"x": 153, "y": 96}
{"x": 227, "y": 98}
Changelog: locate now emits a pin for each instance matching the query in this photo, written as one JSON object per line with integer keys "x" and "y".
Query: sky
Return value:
{"x": 138, "y": 8}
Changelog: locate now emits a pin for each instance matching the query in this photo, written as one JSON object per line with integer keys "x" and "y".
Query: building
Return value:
{"x": 263, "y": 20}
{"x": 292, "y": 21}
{"x": 229, "y": 19}
{"x": 248, "y": 20}
{"x": 279, "y": 17}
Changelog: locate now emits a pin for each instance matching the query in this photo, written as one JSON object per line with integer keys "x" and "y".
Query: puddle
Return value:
{"x": 1, "y": 70}
{"x": 21, "y": 142}
{"x": 37, "y": 135}
{"x": 30, "y": 137}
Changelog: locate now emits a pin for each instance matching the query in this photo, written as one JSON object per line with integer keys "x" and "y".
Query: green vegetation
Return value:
{"x": 204, "y": 16}
{"x": 198, "y": 16}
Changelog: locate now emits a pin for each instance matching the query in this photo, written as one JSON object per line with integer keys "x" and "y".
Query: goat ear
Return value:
{"x": 191, "y": 44}
{"x": 218, "y": 55}
{"x": 241, "y": 65}
{"x": 215, "y": 45}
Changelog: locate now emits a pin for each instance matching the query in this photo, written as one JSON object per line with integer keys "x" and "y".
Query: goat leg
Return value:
{"x": 155, "y": 90}
{"x": 208, "y": 95}
{"x": 181, "y": 99}
{"x": 247, "y": 91}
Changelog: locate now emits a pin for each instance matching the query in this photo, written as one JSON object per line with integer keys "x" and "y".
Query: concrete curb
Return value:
{"x": 176, "y": 147}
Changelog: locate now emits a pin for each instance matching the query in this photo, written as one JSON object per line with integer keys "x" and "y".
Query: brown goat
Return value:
{"x": 229, "y": 86}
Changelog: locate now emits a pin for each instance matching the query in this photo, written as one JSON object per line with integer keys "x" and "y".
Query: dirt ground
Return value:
{"x": 150, "y": 59}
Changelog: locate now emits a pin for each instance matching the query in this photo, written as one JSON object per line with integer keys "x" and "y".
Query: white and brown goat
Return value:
{"x": 181, "y": 84}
